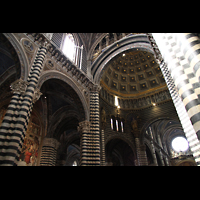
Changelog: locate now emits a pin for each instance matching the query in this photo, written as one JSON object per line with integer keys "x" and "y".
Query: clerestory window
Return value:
{"x": 117, "y": 124}
{"x": 68, "y": 47}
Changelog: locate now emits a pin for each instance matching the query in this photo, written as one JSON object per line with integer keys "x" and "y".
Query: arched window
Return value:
{"x": 111, "y": 124}
{"x": 68, "y": 47}
{"x": 117, "y": 125}
{"x": 122, "y": 126}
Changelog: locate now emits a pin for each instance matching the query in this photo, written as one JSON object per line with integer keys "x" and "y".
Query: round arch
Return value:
{"x": 58, "y": 118}
{"x": 138, "y": 42}
{"x": 124, "y": 140}
{"x": 57, "y": 75}
{"x": 23, "y": 59}
{"x": 121, "y": 149}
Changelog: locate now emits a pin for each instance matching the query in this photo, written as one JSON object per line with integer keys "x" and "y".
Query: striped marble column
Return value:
{"x": 94, "y": 125}
{"x": 15, "y": 122}
{"x": 103, "y": 154}
{"x": 85, "y": 143}
{"x": 189, "y": 45}
{"x": 103, "y": 127}
{"x": 180, "y": 88}
{"x": 49, "y": 152}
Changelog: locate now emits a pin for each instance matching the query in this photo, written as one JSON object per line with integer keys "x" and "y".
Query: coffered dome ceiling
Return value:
{"x": 133, "y": 73}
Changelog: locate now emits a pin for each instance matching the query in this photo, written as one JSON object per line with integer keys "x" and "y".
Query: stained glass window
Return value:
{"x": 111, "y": 123}
{"x": 117, "y": 126}
{"x": 122, "y": 127}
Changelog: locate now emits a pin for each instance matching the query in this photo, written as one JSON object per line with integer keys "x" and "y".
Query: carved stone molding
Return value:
{"x": 40, "y": 39}
{"x": 19, "y": 86}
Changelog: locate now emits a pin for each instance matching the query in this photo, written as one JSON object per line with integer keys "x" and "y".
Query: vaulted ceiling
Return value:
{"x": 89, "y": 38}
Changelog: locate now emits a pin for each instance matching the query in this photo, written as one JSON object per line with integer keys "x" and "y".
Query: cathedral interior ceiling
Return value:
{"x": 133, "y": 73}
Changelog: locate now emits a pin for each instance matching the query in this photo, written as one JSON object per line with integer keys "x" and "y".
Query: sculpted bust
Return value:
{"x": 134, "y": 124}
{"x": 103, "y": 115}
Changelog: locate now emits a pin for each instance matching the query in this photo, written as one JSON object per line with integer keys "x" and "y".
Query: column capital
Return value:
{"x": 36, "y": 95}
{"x": 51, "y": 142}
{"x": 95, "y": 88}
{"x": 84, "y": 127}
{"x": 19, "y": 86}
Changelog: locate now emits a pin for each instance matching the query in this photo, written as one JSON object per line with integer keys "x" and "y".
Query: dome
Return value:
{"x": 132, "y": 73}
